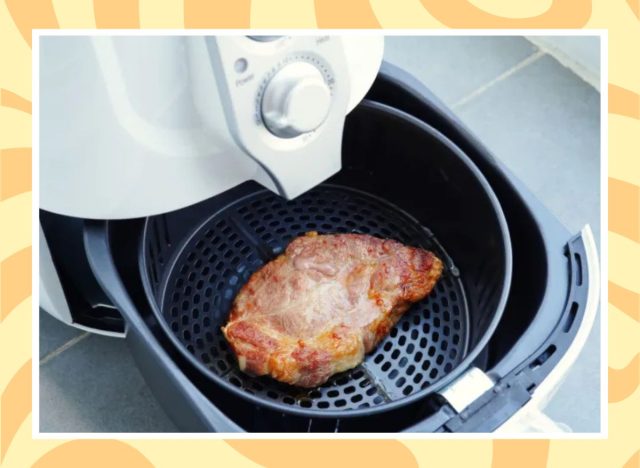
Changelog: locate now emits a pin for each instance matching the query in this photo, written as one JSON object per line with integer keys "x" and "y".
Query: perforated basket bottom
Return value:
{"x": 427, "y": 343}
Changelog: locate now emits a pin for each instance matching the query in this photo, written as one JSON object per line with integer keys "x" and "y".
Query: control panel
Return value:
{"x": 285, "y": 99}
{"x": 296, "y": 99}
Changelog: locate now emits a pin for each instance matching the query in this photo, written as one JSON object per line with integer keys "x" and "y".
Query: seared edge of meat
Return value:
{"x": 397, "y": 276}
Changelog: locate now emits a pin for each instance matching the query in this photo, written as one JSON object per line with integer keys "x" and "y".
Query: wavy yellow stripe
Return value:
{"x": 116, "y": 14}
{"x": 15, "y": 213}
{"x": 531, "y": 453}
{"x": 403, "y": 14}
{"x": 12, "y": 100}
{"x": 634, "y": 461}
{"x": 15, "y": 58}
{"x": 623, "y": 101}
{"x": 464, "y": 14}
{"x": 447, "y": 452}
{"x": 624, "y": 258}
{"x": 343, "y": 14}
{"x": 623, "y": 153}
{"x": 93, "y": 453}
{"x": 74, "y": 14}
{"x": 15, "y": 172}
{"x": 511, "y": 9}
{"x": 623, "y": 382}
{"x": 171, "y": 455}
{"x": 15, "y": 281}
{"x": 283, "y": 14}
{"x": 625, "y": 333}
{"x": 161, "y": 14}
{"x": 217, "y": 14}
{"x": 625, "y": 300}
{"x": 624, "y": 71}
{"x": 15, "y": 341}
{"x": 24, "y": 449}
{"x": 31, "y": 14}
{"x": 16, "y": 405}
{"x": 635, "y": 8}
{"x": 624, "y": 209}
{"x": 20, "y": 124}
{"x": 323, "y": 453}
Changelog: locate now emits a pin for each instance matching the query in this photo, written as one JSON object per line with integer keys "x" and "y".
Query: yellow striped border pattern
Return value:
{"x": 620, "y": 17}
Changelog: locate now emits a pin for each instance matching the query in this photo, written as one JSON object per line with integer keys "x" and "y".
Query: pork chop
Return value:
{"x": 318, "y": 308}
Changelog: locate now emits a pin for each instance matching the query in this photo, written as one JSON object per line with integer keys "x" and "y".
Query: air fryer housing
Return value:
{"x": 548, "y": 302}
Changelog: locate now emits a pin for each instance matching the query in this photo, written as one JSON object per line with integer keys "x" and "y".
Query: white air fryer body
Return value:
{"x": 136, "y": 126}
{"x": 132, "y": 126}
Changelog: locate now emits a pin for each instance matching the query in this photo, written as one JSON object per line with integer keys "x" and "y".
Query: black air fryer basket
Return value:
{"x": 401, "y": 179}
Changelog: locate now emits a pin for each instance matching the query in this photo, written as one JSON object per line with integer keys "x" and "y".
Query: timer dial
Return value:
{"x": 296, "y": 100}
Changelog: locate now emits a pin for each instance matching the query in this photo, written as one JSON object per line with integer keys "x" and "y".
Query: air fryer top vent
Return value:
{"x": 201, "y": 281}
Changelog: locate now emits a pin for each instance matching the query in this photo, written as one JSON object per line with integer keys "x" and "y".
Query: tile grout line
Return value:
{"x": 56, "y": 352}
{"x": 519, "y": 66}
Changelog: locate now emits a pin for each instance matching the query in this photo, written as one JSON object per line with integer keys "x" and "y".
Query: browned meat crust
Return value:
{"x": 326, "y": 301}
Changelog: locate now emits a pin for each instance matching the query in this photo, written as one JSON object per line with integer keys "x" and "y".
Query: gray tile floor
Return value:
{"x": 532, "y": 112}
{"x": 92, "y": 385}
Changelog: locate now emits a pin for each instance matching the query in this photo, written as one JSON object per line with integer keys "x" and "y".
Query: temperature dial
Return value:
{"x": 296, "y": 100}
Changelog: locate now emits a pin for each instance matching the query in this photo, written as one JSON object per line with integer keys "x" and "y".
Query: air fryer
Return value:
{"x": 517, "y": 295}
